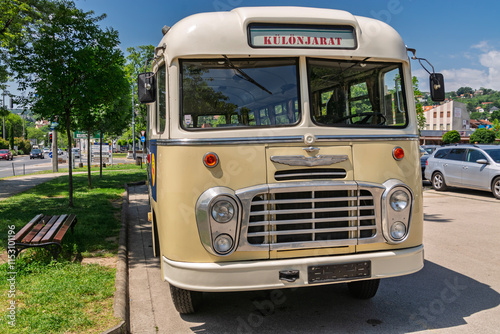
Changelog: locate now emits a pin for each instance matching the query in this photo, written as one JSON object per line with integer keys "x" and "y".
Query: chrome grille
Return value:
{"x": 310, "y": 174}
{"x": 292, "y": 218}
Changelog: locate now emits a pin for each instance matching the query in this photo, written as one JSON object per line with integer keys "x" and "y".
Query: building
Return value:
{"x": 448, "y": 116}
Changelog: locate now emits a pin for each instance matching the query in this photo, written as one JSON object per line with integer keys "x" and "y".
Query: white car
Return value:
{"x": 466, "y": 166}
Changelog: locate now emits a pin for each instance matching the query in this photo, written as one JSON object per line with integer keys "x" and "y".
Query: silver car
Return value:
{"x": 466, "y": 166}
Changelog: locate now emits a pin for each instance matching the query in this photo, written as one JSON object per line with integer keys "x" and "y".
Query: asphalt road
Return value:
{"x": 23, "y": 165}
{"x": 458, "y": 291}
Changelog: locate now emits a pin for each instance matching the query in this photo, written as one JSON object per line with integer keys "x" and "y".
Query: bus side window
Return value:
{"x": 394, "y": 107}
{"x": 161, "y": 100}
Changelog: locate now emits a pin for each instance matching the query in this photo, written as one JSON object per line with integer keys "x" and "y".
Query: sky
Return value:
{"x": 460, "y": 38}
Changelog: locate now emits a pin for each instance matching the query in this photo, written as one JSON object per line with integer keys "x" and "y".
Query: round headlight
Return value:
{"x": 399, "y": 200}
{"x": 223, "y": 211}
{"x": 223, "y": 243}
{"x": 398, "y": 230}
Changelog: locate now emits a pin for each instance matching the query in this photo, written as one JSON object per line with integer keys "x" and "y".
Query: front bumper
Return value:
{"x": 261, "y": 275}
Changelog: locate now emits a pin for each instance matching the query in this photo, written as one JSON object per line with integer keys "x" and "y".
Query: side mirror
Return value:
{"x": 436, "y": 83}
{"x": 146, "y": 86}
{"x": 482, "y": 161}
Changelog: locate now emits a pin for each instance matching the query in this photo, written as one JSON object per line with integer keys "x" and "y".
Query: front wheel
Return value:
{"x": 185, "y": 301}
{"x": 495, "y": 187}
{"x": 364, "y": 289}
{"x": 438, "y": 182}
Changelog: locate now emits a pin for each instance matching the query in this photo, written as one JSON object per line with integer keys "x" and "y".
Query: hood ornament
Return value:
{"x": 300, "y": 160}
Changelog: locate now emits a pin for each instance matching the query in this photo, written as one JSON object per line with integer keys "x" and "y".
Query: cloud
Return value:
{"x": 486, "y": 75}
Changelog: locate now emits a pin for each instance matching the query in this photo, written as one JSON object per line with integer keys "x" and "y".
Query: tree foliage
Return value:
{"x": 451, "y": 137}
{"x": 482, "y": 136}
{"x": 69, "y": 64}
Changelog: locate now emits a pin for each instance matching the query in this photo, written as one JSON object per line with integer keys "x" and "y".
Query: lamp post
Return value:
{"x": 133, "y": 123}
{"x": 5, "y": 93}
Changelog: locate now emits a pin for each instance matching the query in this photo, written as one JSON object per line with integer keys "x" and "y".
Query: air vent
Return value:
{"x": 310, "y": 174}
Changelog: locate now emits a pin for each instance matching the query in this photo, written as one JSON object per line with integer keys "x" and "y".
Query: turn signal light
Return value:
{"x": 398, "y": 153}
{"x": 210, "y": 160}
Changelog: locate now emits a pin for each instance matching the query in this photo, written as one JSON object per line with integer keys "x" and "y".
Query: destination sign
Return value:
{"x": 283, "y": 36}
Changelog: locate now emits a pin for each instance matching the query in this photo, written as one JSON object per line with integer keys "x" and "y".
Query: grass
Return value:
{"x": 62, "y": 296}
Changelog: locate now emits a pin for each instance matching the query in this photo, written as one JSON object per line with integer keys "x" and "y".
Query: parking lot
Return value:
{"x": 458, "y": 291}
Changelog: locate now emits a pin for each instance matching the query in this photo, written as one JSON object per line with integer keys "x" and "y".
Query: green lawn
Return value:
{"x": 62, "y": 296}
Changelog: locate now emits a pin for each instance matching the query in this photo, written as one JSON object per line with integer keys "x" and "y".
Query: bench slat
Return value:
{"x": 27, "y": 239}
{"x": 50, "y": 234}
{"x": 22, "y": 233}
{"x": 62, "y": 231}
{"x": 44, "y": 230}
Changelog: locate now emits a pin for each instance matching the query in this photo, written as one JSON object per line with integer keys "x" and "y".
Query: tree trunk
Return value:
{"x": 89, "y": 161}
{"x": 70, "y": 165}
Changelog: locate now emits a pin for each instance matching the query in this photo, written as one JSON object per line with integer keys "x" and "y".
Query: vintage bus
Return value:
{"x": 283, "y": 152}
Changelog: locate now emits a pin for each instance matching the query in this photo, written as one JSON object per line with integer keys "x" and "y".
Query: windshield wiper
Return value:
{"x": 246, "y": 76}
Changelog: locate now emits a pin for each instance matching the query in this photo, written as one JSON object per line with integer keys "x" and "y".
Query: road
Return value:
{"x": 458, "y": 291}
{"x": 24, "y": 165}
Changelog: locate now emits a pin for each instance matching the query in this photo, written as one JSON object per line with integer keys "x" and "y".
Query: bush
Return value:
{"x": 482, "y": 136}
{"x": 4, "y": 143}
{"x": 451, "y": 137}
{"x": 22, "y": 145}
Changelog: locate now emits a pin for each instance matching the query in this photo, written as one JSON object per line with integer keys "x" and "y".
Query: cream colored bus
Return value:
{"x": 283, "y": 152}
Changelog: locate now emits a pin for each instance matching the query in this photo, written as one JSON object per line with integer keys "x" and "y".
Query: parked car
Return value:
{"x": 430, "y": 148}
{"x": 6, "y": 154}
{"x": 467, "y": 166}
{"x": 423, "y": 163}
{"x": 36, "y": 153}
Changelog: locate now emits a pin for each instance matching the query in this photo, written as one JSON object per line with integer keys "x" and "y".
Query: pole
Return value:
{"x": 3, "y": 105}
{"x": 55, "y": 166}
{"x": 133, "y": 123}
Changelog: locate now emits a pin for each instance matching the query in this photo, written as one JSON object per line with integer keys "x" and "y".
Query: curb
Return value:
{"x": 120, "y": 304}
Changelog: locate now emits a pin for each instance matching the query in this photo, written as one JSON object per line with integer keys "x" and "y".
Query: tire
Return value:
{"x": 364, "y": 289}
{"x": 495, "y": 187}
{"x": 185, "y": 301}
{"x": 438, "y": 182}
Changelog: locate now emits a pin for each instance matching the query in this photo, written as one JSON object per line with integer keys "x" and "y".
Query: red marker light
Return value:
{"x": 148, "y": 158}
{"x": 210, "y": 160}
{"x": 398, "y": 153}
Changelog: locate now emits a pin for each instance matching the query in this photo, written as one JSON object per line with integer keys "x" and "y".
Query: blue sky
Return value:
{"x": 460, "y": 38}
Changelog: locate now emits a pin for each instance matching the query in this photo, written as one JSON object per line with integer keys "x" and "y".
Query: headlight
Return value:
{"x": 223, "y": 243}
{"x": 398, "y": 230}
{"x": 222, "y": 211}
{"x": 399, "y": 200}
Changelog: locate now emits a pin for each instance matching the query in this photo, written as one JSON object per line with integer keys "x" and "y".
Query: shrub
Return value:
{"x": 482, "y": 136}
{"x": 451, "y": 137}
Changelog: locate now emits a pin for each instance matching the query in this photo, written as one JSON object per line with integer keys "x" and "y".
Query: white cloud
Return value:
{"x": 486, "y": 75}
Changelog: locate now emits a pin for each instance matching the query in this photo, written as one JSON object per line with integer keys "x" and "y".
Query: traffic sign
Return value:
{"x": 143, "y": 139}
{"x": 50, "y": 155}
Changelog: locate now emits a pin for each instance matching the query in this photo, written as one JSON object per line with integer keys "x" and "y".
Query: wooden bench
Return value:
{"x": 45, "y": 231}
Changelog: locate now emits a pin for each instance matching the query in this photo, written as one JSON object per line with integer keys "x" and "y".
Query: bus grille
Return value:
{"x": 293, "y": 219}
{"x": 310, "y": 174}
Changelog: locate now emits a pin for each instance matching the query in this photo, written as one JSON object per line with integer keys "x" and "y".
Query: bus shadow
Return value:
{"x": 433, "y": 298}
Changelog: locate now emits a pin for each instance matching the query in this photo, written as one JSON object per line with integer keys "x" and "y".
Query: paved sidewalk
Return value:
{"x": 145, "y": 283}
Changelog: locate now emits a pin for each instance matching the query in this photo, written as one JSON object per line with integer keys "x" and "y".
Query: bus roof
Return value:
{"x": 226, "y": 33}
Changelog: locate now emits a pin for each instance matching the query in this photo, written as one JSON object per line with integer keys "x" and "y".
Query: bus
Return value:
{"x": 283, "y": 152}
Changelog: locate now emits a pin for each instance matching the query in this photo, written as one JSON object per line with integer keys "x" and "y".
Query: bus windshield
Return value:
{"x": 246, "y": 93}
{"x": 357, "y": 93}
{"x": 227, "y": 93}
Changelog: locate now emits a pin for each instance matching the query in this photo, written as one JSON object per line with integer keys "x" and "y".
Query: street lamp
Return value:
{"x": 133, "y": 123}
{"x": 5, "y": 93}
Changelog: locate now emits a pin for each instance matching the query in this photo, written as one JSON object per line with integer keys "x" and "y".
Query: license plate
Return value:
{"x": 338, "y": 272}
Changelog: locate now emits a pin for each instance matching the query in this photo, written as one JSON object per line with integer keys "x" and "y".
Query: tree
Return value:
{"x": 16, "y": 21}
{"x": 421, "y": 121}
{"x": 495, "y": 115}
{"x": 62, "y": 62}
{"x": 465, "y": 90}
{"x": 482, "y": 136}
{"x": 451, "y": 137}
{"x": 135, "y": 64}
